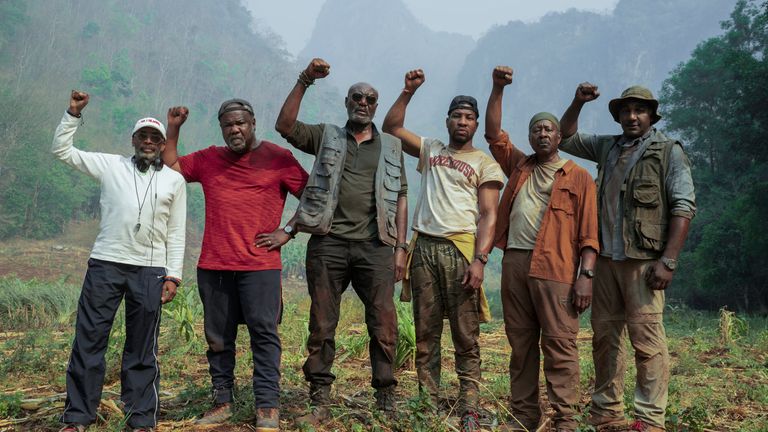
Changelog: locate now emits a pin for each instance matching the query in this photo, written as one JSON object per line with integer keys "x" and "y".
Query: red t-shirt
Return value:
{"x": 244, "y": 196}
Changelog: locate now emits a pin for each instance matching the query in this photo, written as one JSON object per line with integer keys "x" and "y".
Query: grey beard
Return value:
{"x": 142, "y": 164}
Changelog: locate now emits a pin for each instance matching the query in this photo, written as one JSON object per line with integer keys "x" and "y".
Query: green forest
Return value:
{"x": 138, "y": 58}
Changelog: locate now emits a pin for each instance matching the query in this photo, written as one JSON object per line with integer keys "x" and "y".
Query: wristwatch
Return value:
{"x": 669, "y": 263}
{"x": 588, "y": 273}
{"x": 403, "y": 246}
{"x": 483, "y": 258}
{"x": 290, "y": 231}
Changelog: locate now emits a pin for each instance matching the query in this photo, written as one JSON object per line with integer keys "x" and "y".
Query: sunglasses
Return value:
{"x": 358, "y": 97}
{"x": 154, "y": 138}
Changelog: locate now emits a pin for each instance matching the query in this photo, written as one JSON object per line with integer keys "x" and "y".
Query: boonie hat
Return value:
{"x": 150, "y": 123}
{"x": 235, "y": 105}
{"x": 638, "y": 93}
{"x": 466, "y": 102}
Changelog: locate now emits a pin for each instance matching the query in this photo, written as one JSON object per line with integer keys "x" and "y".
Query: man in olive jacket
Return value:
{"x": 645, "y": 203}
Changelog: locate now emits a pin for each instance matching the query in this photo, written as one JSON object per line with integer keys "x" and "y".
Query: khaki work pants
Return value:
{"x": 437, "y": 269}
{"x": 623, "y": 302}
{"x": 539, "y": 309}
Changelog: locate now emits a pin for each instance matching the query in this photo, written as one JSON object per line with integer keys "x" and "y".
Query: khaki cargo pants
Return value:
{"x": 623, "y": 302}
{"x": 539, "y": 311}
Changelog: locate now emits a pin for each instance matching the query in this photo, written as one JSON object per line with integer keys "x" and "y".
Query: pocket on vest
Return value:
{"x": 650, "y": 235}
{"x": 328, "y": 158}
{"x": 646, "y": 194}
{"x": 313, "y": 202}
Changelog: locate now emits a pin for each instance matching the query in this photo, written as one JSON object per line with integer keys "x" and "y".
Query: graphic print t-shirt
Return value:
{"x": 450, "y": 182}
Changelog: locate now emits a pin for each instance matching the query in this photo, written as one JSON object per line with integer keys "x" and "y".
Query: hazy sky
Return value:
{"x": 294, "y": 20}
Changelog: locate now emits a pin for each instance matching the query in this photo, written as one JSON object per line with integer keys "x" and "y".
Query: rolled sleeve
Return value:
{"x": 505, "y": 153}
{"x": 679, "y": 185}
{"x": 588, "y": 229}
{"x": 306, "y": 138}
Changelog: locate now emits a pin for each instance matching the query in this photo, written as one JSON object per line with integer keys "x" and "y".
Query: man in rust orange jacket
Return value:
{"x": 547, "y": 227}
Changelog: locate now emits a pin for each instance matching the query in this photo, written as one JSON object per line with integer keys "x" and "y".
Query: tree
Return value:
{"x": 716, "y": 102}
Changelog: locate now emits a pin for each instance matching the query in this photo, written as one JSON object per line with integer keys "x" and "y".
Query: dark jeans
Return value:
{"x": 231, "y": 298}
{"x": 104, "y": 286}
{"x": 332, "y": 263}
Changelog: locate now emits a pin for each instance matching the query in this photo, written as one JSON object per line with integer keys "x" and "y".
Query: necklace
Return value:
{"x": 141, "y": 202}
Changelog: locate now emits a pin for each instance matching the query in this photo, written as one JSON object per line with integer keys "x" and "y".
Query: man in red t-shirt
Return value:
{"x": 245, "y": 185}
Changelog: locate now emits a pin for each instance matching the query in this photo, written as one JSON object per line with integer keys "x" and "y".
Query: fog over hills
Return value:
{"x": 639, "y": 42}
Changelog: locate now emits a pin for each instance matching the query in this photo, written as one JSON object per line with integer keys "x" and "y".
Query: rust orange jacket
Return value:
{"x": 569, "y": 223}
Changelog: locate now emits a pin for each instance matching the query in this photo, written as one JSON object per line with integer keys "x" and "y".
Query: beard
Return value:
{"x": 143, "y": 162}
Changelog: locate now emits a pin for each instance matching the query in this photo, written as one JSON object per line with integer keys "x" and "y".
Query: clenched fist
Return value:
{"x": 177, "y": 116}
{"x": 502, "y": 76}
{"x": 586, "y": 92}
{"x": 317, "y": 68}
{"x": 414, "y": 79}
{"x": 77, "y": 101}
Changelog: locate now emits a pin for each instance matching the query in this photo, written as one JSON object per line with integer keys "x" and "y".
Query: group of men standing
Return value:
{"x": 561, "y": 233}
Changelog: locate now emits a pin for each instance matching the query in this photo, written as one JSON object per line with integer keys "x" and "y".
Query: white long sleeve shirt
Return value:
{"x": 159, "y": 241}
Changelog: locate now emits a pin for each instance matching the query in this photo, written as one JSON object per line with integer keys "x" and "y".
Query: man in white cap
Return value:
{"x": 138, "y": 254}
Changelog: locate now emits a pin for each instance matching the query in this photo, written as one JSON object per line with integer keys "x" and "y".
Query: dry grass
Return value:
{"x": 715, "y": 386}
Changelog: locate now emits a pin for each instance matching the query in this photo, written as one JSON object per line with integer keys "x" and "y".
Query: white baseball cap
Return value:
{"x": 150, "y": 123}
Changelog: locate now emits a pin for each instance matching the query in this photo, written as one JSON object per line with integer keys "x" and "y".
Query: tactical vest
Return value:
{"x": 321, "y": 194}
{"x": 646, "y": 209}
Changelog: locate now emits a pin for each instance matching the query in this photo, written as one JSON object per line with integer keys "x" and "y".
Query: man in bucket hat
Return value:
{"x": 645, "y": 205}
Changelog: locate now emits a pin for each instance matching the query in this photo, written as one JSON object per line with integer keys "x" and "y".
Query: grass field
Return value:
{"x": 719, "y": 367}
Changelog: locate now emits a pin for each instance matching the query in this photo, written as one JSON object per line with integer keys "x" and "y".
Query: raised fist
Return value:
{"x": 414, "y": 79}
{"x": 77, "y": 101}
{"x": 317, "y": 68}
{"x": 177, "y": 116}
{"x": 586, "y": 92}
{"x": 502, "y": 76}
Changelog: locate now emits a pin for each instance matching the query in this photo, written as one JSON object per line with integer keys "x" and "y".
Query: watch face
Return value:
{"x": 288, "y": 229}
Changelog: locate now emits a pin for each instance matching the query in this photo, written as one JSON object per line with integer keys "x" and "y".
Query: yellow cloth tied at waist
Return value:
{"x": 465, "y": 242}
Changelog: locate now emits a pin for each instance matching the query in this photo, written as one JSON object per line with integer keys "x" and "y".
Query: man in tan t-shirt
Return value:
{"x": 547, "y": 226}
{"x": 453, "y": 225}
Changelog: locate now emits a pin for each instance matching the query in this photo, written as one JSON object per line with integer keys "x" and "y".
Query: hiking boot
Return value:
{"x": 267, "y": 420}
{"x": 607, "y": 424}
{"x": 319, "y": 400}
{"x": 385, "y": 399}
{"x": 319, "y": 394}
{"x": 218, "y": 414}
{"x": 73, "y": 427}
{"x": 641, "y": 426}
{"x": 470, "y": 422}
{"x": 317, "y": 415}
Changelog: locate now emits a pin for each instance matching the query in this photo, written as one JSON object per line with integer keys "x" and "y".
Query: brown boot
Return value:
{"x": 641, "y": 426}
{"x": 607, "y": 424}
{"x": 218, "y": 414}
{"x": 385, "y": 399}
{"x": 319, "y": 400}
{"x": 267, "y": 420}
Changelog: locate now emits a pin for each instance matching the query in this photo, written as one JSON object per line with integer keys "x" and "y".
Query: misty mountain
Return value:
{"x": 378, "y": 42}
{"x": 639, "y": 43}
